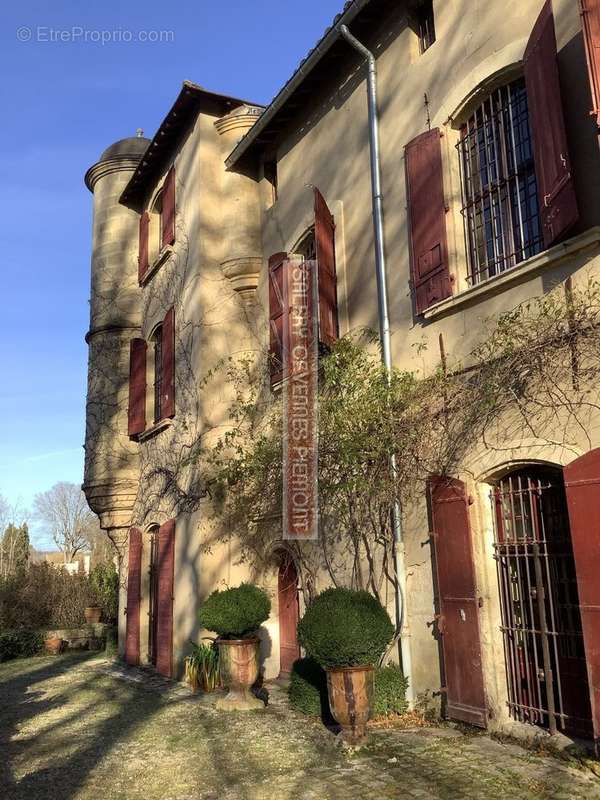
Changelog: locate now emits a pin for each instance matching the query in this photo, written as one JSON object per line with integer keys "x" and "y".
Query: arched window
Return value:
{"x": 157, "y": 344}
{"x": 307, "y": 247}
{"x": 156, "y": 243}
{"x": 499, "y": 187}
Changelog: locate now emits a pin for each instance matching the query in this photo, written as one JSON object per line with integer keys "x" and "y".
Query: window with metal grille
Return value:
{"x": 157, "y": 340}
{"x": 499, "y": 188}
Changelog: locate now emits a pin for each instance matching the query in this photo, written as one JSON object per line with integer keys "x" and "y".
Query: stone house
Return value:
{"x": 79, "y": 565}
{"x": 488, "y": 128}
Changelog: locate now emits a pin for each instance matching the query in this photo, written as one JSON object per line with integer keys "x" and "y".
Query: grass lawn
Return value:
{"x": 71, "y": 727}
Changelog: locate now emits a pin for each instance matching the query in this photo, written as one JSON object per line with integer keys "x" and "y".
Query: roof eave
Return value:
{"x": 168, "y": 133}
{"x": 301, "y": 73}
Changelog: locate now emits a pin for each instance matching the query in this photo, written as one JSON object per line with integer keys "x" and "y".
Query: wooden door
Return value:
{"x": 458, "y": 621}
{"x": 287, "y": 589}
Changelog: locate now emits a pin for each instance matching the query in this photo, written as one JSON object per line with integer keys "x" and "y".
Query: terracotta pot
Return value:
{"x": 54, "y": 645}
{"x": 92, "y": 614}
{"x": 350, "y": 692}
{"x": 238, "y": 660}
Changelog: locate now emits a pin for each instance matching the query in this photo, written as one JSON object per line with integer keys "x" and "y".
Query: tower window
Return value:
{"x": 425, "y": 24}
{"x": 270, "y": 172}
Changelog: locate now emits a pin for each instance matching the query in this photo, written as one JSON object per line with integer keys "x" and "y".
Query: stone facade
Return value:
{"x": 229, "y": 220}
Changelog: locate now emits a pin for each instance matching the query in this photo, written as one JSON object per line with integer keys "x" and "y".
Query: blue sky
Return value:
{"x": 63, "y": 102}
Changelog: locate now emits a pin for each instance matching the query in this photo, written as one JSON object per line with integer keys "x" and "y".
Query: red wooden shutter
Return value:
{"x": 164, "y": 615}
{"x": 167, "y": 403}
{"x": 556, "y": 192}
{"x": 459, "y": 606}
{"x": 168, "y": 209}
{"x": 325, "y": 243}
{"x": 143, "y": 248}
{"x": 590, "y": 15}
{"x": 134, "y": 590}
{"x": 137, "y": 387}
{"x": 277, "y": 314}
{"x": 427, "y": 217}
{"x": 582, "y": 484}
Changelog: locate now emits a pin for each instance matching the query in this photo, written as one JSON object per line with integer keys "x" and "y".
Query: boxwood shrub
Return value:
{"x": 235, "y": 613}
{"x": 390, "y": 691}
{"x": 345, "y": 628}
{"x": 307, "y": 690}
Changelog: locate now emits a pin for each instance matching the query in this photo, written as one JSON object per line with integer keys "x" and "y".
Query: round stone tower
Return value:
{"x": 111, "y": 458}
{"x": 242, "y": 259}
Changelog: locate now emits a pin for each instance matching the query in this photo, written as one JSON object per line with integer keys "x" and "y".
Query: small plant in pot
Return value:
{"x": 347, "y": 632}
{"x": 202, "y": 667}
{"x": 92, "y": 612}
{"x": 235, "y": 615}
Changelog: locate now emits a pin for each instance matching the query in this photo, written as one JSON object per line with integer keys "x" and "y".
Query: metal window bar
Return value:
{"x": 499, "y": 190}
{"x": 541, "y": 621}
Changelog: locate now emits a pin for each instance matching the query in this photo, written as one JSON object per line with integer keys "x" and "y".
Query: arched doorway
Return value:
{"x": 289, "y": 609}
{"x": 153, "y": 594}
{"x": 544, "y": 651}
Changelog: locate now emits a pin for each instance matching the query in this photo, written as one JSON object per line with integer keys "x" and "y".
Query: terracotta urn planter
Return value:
{"x": 54, "y": 645}
{"x": 92, "y": 614}
{"x": 350, "y": 692}
{"x": 238, "y": 659}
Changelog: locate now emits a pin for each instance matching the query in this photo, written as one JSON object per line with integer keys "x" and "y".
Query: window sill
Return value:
{"x": 160, "y": 259}
{"x": 154, "y": 430}
{"x": 548, "y": 258}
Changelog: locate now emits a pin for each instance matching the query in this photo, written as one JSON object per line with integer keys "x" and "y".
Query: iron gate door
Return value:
{"x": 541, "y": 621}
{"x": 153, "y": 596}
{"x": 458, "y": 621}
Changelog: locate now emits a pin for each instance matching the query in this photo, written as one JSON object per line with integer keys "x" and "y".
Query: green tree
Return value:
{"x": 14, "y": 549}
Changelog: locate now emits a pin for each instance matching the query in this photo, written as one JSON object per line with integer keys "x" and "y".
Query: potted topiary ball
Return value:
{"x": 347, "y": 632}
{"x": 235, "y": 615}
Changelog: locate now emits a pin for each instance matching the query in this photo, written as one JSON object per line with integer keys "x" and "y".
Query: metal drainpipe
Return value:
{"x": 386, "y": 344}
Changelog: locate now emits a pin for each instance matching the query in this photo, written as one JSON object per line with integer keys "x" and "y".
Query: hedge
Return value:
{"x": 21, "y": 643}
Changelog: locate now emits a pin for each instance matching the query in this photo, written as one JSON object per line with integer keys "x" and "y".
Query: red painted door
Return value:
{"x": 582, "y": 484}
{"x": 287, "y": 586}
{"x": 458, "y": 622}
